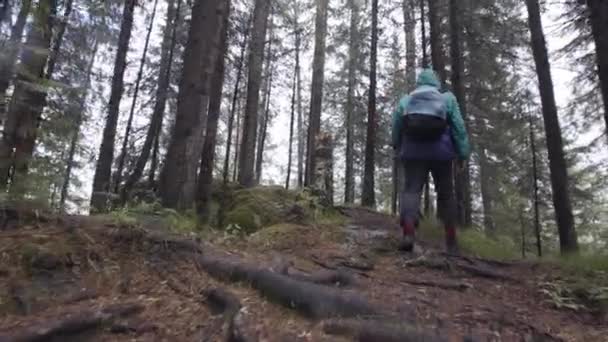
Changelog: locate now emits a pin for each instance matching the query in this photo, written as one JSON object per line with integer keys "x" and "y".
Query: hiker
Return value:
{"x": 429, "y": 136}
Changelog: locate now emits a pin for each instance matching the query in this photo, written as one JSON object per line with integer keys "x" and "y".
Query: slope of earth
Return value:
{"x": 91, "y": 279}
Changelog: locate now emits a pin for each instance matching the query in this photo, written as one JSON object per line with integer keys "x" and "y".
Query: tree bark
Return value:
{"x": 178, "y": 177}
{"x": 205, "y": 178}
{"x": 598, "y": 14}
{"x": 291, "y": 124}
{"x": 535, "y": 198}
{"x": 410, "y": 43}
{"x": 557, "y": 161}
{"x": 462, "y": 179}
{"x": 78, "y": 114}
{"x": 437, "y": 53}
{"x": 301, "y": 135}
{"x": 265, "y": 107}
{"x": 256, "y": 55}
{"x": 423, "y": 37}
{"x": 259, "y": 161}
{"x": 11, "y": 51}
{"x": 125, "y": 140}
{"x": 234, "y": 104}
{"x": 316, "y": 97}
{"x": 353, "y": 52}
{"x": 20, "y": 128}
{"x": 162, "y": 86}
{"x": 368, "y": 196}
{"x": 237, "y": 143}
{"x": 103, "y": 170}
{"x": 487, "y": 197}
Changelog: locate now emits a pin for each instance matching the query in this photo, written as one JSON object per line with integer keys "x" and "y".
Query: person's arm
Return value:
{"x": 459, "y": 131}
{"x": 397, "y": 122}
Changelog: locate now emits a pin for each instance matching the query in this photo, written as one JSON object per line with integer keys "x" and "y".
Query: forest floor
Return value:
{"x": 92, "y": 279}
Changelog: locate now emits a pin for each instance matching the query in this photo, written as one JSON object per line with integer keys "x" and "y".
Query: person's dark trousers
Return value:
{"x": 416, "y": 172}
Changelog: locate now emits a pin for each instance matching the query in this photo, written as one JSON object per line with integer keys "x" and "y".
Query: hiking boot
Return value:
{"x": 409, "y": 236}
{"x": 451, "y": 242}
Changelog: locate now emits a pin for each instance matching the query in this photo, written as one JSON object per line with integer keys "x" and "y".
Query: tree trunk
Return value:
{"x": 557, "y": 162}
{"x": 259, "y": 162}
{"x": 237, "y": 143}
{"x": 10, "y": 53}
{"x": 598, "y": 13}
{"x": 316, "y": 97}
{"x": 437, "y": 54}
{"x": 267, "y": 88}
{"x": 353, "y": 52}
{"x": 423, "y": 38}
{"x": 162, "y": 86}
{"x": 22, "y": 121}
{"x": 291, "y": 124}
{"x": 103, "y": 170}
{"x": 78, "y": 114}
{"x": 368, "y": 197}
{"x": 234, "y": 104}
{"x": 205, "y": 178}
{"x": 125, "y": 140}
{"x": 410, "y": 43}
{"x": 537, "y": 227}
{"x": 178, "y": 177}
{"x": 462, "y": 179}
{"x": 301, "y": 135}
{"x": 256, "y": 55}
{"x": 409, "y": 24}
{"x": 486, "y": 192}
{"x": 38, "y": 101}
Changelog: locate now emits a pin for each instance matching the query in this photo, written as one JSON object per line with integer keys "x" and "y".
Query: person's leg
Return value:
{"x": 415, "y": 172}
{"x": 446, "y": 202}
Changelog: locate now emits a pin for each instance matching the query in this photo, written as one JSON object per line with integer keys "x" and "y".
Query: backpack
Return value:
{"x": 425, "y": 117}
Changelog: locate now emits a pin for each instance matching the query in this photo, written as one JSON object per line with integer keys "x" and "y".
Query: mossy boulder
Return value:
{"x": 255, "y": 208}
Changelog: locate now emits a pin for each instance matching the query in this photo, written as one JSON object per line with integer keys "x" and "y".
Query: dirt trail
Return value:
{"x": 84, "y": 279}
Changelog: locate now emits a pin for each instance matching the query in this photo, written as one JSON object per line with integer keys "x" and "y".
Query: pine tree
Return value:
{"x": 125, "y": 140}
{"x": 368, "y": 197}
{"x": 559, "y": 173}
{"x": 103, "y": 170}
{"x": 19, "y": 134}
{"x": 205, "y": 178}
{"x": 178, "y": 177}
{"x": 250, "y": 121}
{"x": 316, "y": 97}
{"x": 353, "y": 51}
{"x": 164, "y": 77}
{"x": 8, "y": 57}
{"x": 598, "y": 14}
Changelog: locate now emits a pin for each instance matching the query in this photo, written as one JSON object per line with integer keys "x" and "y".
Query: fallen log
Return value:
{"x": 312, "y": 300}
{"x": 373, "y": 331}
{"x": 63, "y": 325}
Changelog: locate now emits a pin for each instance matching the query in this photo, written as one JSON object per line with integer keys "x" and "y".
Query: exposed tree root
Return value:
{"x": 313, "y": 300}
{"x": 227, "y": 304}
{"x": 167, "y": 241}
{"x": 444, "y": 284}
{"x": 337, "y": 278}
{"x": 62, "y": 325}
{"x": 222, "y": 302}
{"x": 374, "y": 331}
{"x": 483, "y": 272}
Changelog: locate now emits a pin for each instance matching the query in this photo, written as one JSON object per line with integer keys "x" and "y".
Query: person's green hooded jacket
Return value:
{"x": 457, "y": 129}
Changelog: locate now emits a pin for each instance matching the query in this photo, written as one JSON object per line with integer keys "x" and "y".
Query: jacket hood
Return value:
{"x": 428, "y": 77}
